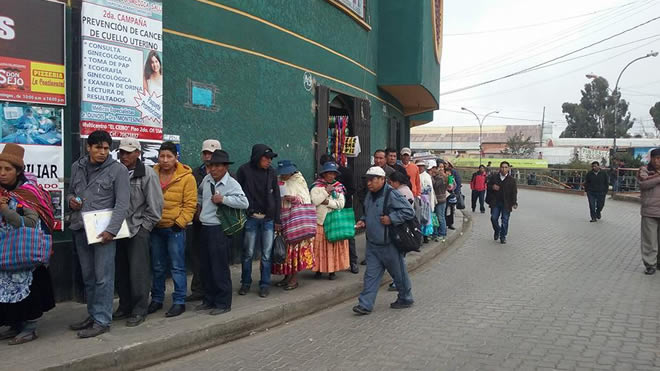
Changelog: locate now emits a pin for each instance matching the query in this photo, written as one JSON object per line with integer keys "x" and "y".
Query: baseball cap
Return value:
{"x": 421, "y": 163}
{"x": 375, "y": 171}
{"x": 406, "y": 151}
{"x": 211, "y": 145}
{"x": 129, "y": 144}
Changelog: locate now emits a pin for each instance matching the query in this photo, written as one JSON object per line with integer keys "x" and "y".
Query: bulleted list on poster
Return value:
{"x": 122, "y": 68}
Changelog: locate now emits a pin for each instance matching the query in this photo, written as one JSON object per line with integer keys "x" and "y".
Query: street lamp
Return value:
{"x": 616, "y": 98}
{"x": 481, "y": 122}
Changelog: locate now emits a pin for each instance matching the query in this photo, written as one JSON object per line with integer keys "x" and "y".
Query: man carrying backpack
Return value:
{"x": 381, "y": 253}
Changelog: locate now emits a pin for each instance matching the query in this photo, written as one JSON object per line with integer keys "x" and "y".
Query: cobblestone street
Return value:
{"x": 562, "y": 294}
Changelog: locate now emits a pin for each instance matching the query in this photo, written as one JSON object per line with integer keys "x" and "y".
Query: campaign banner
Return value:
{"x": 122, "y": 82}
{"x": 32, "y": 56}
{"x": 39, "y": 130}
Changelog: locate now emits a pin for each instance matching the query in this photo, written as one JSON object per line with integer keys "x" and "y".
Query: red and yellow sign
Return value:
{"x": 32, "y": 52}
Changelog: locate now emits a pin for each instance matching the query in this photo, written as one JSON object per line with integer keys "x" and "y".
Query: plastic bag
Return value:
{"x": 279, "y": 250}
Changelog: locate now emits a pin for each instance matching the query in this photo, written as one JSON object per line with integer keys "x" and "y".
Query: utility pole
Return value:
{"x": 542, "y": 127}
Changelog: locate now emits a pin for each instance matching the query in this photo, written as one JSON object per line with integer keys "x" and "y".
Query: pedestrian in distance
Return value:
{"x": 168, "y": 247}
{"x": 328, "y": 195}
{"x": 98, "y": 182}
{"x": 259, "y": 182}
{"x": 217, "y": 189}
{"x": 441, "y": 184}
{"x": 596, "y": 185}
{"x": 299, "y": 254}
{"x": 132, "y": 260}
{"x": 478, "y": 187}
{"x": 24, "y": 294}
{"x": 454, "y": 189}
{"x": 381, "y": 253}
{"x": 649, "y": 185}
{"x": 345, "y": 177}
{"x": 427, "y": 200}
{"x": 193, "y": 235}
{"x": 502, "y": 198}
{"x": 411, "y": 170}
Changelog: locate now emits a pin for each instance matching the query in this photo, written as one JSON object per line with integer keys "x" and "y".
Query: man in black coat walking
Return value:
{"x": 596, "y": 184}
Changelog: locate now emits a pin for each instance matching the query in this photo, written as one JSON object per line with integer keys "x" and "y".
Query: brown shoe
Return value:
{"x": 93, "y": 331}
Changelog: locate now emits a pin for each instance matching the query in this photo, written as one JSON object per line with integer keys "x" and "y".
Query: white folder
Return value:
{"x": 97, "y": 221}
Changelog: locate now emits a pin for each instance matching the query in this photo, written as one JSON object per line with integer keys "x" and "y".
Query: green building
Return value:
{"x": 283, "y": 73}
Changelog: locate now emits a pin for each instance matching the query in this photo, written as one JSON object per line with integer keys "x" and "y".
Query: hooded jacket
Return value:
{"x": 260, "y": 185}
{"x": 106, "y": 187}
{"x": 180, "y": 198}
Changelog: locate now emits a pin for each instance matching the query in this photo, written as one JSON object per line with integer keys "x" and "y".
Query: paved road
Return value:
{"x": 563, "y": 294}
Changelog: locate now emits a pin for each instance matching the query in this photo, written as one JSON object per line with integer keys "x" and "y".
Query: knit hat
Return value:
{"x": 13, "y": 153}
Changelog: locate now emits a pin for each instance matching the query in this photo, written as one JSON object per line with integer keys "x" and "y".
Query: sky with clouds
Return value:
{"x": 486, "y": 39}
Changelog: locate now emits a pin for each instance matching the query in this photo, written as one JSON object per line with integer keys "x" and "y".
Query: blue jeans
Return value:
{"x": 440, "y": 210}
{"x": 596, "y": 203}
{"x": 495, "y": 213}
{"x": 379, "y": 259}
{"x": 97, "y": 264}
{"x": 168, "y": 249}
{"x": 257, "y": 230}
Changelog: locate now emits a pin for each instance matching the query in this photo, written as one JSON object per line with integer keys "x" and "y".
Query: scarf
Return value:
{"x": 339, "y": 188}
{"x": 32, "y": 196}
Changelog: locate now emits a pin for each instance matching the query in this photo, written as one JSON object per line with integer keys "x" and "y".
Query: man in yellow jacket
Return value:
{"x": 168, "y": 245}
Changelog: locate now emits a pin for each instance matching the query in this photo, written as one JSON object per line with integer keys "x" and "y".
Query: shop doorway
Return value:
{"x": 339, "y": 116}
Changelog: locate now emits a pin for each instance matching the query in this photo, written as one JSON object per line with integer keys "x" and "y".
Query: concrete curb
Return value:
{"x": 627, "y": 198}
{"x": 157, "y": 350}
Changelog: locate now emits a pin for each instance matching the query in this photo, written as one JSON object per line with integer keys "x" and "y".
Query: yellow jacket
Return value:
{"x": 180, "y": 197}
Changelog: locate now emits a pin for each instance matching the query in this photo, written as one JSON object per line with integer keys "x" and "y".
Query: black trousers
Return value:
{"x": 214, "y": 266}
{"x": 133, "y": 273}
{"x": 449, "y": 214}
{"x": 194, "y": 241}
{"x": 352, "y": 253}
{"x": 478, "y": 195}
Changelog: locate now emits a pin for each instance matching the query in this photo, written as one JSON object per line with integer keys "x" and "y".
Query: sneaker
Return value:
{"x": 263, "y": 292}
{"x": 243, "y": 290}
{"x": 93, "y": 331}
{"x": 135, "y": 320}
{"x": 361, "y": 310}
{"x": 649, "y": 271}
{"x": 154, "y": 307}
{"x": 400, "y": 304}
{"x": 85, "y": 324}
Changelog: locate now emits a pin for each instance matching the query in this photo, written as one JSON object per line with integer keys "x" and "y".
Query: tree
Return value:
{"x": 655, "y": 113}
{"x": 593, "y": 117}
{"x": 519, "y": 146}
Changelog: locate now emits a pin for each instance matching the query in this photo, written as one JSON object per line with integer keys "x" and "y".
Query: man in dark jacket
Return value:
{"x": 193, "y": 240}
{"x": 596, "y": 184}
{"x": 381, "y": 253}
{"x": 346, "y": 179}
{"x": 98, "y": 182}
{"x": 259, "y": 182}
{"x": 502, "y": 198}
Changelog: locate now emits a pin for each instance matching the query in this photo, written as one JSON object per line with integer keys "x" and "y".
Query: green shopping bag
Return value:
{"x": 339, "y": 225}
{"x": 434, "y": 220}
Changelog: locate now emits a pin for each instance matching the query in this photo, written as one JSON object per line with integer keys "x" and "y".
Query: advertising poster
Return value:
{"x": 39, "y": 130}
{"x": 32, "y": 52}
{"x": 122, "y": 68}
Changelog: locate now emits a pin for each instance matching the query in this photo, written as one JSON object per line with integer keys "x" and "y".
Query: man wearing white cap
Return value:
{"x": 132, "y": 260}
{"x": 193, "y": 239}
{"x": 381, "y": 253}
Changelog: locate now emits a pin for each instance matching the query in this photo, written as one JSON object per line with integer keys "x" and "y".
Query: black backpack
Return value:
{"x": 406, "y": 236}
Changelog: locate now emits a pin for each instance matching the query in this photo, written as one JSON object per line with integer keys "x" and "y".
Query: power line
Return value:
{"x": 561, "y": 36}
{"x": 535, "y": 24}
{"x": 497, "y": 117}
{"x": 536, "y": 66}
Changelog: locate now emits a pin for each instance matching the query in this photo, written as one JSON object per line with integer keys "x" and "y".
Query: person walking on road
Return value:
{"x": 168, "y": 248}
{"x": 381, "y": 253}
{"x": 98, "y": 182}
{"x": 478, "y": 187}
{"x": 502, "y": 198}
{"x": 649, "y": 185}
{"x": 193, "y": 235}
{"x": 133, "y": 264}
{"x": 217, "y": 189}
{"x": 596, "y": 184}
{"x": 259, "y": 182}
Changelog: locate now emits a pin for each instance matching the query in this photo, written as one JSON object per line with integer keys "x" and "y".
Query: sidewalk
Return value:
{"x": 159, "y": 338}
